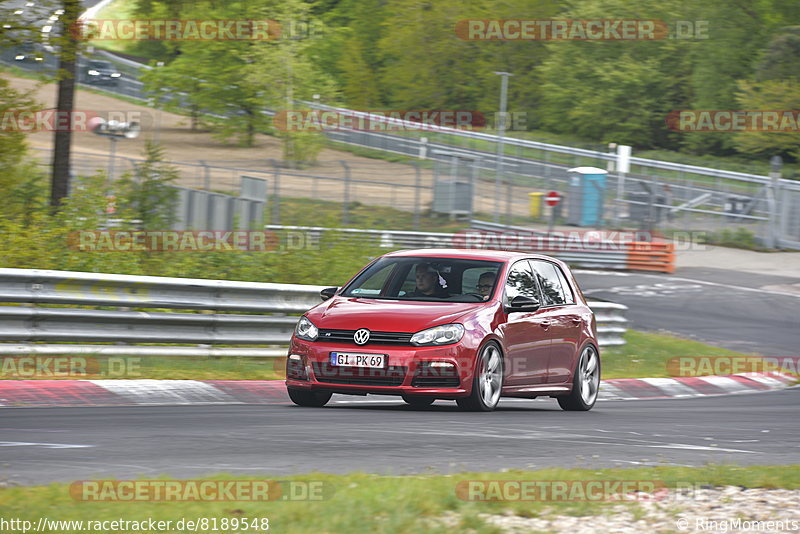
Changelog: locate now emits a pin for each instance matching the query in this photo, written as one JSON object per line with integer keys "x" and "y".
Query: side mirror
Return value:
{"x": 522, "y": 303}
{"x": 328, "y": 292}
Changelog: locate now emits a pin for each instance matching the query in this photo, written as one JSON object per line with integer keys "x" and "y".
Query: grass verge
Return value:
{"x": 372, "y": 503}
{"x": 645, "y": 355}
{"x": 295, "y": 211}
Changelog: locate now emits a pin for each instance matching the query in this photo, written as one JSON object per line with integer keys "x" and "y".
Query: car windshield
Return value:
{"x": 426, "y": 278}
{"x": 101, "y": 65}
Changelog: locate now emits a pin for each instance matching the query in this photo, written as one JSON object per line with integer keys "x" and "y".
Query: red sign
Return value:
{"x": 552, "y": 198}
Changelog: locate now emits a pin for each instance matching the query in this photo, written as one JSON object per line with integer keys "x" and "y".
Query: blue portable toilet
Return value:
{"x": 587, "y": 187}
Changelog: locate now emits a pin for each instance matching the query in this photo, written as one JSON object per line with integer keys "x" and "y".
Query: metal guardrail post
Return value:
{"x": 417, "y": 193}
{"x": 276, "y": 193}
{"x": 346, "y": 203}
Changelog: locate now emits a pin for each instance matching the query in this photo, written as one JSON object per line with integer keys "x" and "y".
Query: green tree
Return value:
{"x": 770, "y": 95}
{"x": 360, "y": 85}
{"x": 215, "y": 77}
{"x": 285, "y": 71}
{"x": 737, "y": 30}
{"x": 148, "y": 193}
{"x": 13, "y": 144}
{"x": 614, "y": 91}
{"x": 231, "y": 83}
{"x": 781, "y": 58}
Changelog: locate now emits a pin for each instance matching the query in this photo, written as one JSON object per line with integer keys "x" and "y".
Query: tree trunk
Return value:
{"x": 62, "y": 143}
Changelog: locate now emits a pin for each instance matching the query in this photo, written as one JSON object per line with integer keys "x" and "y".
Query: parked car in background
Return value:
{"x": 29, "y": 52}
{"x": 99, "y": 72}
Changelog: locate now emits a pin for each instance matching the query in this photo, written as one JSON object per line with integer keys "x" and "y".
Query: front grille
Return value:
{"x": 435, "y": 382}
{"x": 427, "y": 376}
{"x": 375, "y": 338}
{"x": 329, "y": 374}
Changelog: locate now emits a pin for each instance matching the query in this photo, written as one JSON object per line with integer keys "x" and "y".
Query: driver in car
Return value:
{"x": 485, "y": 284}
{"x": 429, "y": 282}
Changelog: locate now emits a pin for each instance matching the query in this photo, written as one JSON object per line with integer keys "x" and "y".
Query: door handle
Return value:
{"x": 577, "y": 320}
{"x": 545, "y": 324}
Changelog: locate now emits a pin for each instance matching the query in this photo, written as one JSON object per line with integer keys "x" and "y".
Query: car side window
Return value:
{"x": 520, "y": 281}
{"x": 569, "y": 298}
{"x": 549, "y": 282}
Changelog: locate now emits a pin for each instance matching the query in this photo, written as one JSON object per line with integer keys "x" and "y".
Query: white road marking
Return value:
{"x": 42, "y": 445}
{"x": 149, "y": 391}
{"x": 685, "y": 446}
{"x": 691, "y": 280}
{"x": 723, "y": 382}
{"x": 563, "y": 438}
{"x": 766, "y": 380}
{"x": 672, "y": 387}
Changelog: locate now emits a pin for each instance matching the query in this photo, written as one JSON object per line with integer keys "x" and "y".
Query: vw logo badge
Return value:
{"x": 361, "y": 336}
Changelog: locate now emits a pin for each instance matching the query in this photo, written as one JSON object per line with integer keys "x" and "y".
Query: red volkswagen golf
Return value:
{"x": 464, "y": 325}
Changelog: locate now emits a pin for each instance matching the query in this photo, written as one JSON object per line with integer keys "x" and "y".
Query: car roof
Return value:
{"x": 470, "y": 254}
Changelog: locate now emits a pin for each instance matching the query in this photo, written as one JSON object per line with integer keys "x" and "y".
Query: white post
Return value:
{"x": 501, "y": 131}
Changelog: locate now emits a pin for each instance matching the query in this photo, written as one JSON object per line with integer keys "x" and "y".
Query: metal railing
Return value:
{"x": 484, "y": 235}
{"x": 36, "y": 330}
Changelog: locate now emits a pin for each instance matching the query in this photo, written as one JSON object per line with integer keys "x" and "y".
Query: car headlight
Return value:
{"x": 439, "y": 335}
{"x": 305, "y": 329}
{"x": 93, "y": 73}
{"x": 115, "y": 74}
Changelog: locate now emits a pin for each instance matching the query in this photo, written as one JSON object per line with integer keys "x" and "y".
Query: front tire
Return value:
{"x": 312, "y": 399}
{"x": 487, "y": 382}
{"x": 585, "y": 383}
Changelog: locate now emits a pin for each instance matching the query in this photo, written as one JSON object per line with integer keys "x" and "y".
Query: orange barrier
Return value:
{"x": 650, "y": 256}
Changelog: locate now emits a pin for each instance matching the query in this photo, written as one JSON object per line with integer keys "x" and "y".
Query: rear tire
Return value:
{"x": 418, "y": 402}
{"x": 585, "y": 383}
{"x": 487, "y": 382}
{"x": 312, "y": 399}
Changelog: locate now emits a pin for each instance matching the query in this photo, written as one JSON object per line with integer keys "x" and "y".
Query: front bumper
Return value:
{"x": 407, "y": 372}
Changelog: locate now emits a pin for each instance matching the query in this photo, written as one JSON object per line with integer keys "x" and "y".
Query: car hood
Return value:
{"x": 349, "y": 313}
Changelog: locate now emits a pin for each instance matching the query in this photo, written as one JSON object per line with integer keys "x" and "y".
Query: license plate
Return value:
{"x": 358, "y": 359}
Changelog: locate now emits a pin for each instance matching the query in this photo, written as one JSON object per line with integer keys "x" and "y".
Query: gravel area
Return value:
{"x": 718, "y": 510}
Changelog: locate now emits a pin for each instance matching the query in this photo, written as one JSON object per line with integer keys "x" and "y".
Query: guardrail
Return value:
{"x": 33, "y": 330}
{"x": 630, "y": 255}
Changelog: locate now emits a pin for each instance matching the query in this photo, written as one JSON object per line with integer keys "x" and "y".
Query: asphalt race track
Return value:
{"x": 383, "y": 435}
{"x": 739, "y": 311}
